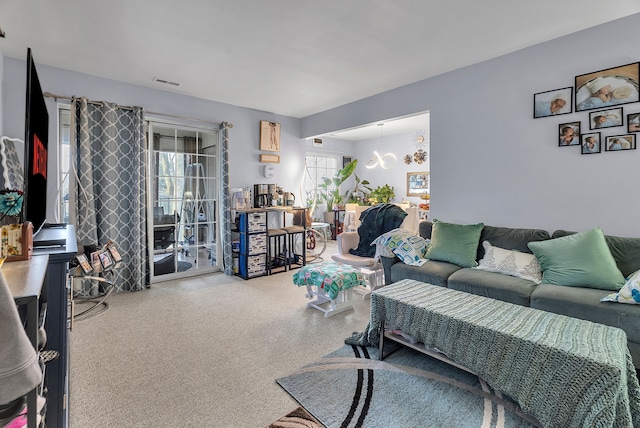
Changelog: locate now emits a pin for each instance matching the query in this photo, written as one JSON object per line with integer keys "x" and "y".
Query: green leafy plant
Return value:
{"x": 382, "y": 195}
{"x": 331, "y": 186}
{"x": 360, "y": 192}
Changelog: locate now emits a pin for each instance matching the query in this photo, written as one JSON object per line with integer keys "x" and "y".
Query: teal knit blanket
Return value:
{"x": 563, "y": 371}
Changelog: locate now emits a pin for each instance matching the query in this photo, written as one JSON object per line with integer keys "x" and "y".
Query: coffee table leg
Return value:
{"x": 381, "y": 342}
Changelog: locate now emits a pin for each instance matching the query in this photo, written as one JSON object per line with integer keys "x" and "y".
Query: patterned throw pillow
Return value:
{"x": 510, "y": 262}
{"x": 629, "y": 293}
{"x": 408, "y": 247}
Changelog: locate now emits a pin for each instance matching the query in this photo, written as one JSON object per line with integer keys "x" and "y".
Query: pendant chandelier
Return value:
{"x": 385, "y": 160}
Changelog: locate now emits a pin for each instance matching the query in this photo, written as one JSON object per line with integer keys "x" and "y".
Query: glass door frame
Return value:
{"x": 183, "y": 126}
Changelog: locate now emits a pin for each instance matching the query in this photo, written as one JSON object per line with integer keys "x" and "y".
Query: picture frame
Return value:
{"x": 269, "y": 136}
{"x": 633, "y": 122}
{"x": 569, "y": 134}
{"x": 609, "y": 87}
{"x": 606, "y": 118}
{"x": 346, "y": 160}
{"x": 264, "y": 158}
{"x": 616, "y": 143}
{"x": 115, "y": 254}
{"x": 106, "y": 260}
{"x": 84, "y": 264}
{"x": 417, "y": 183}
{"x": 553, "y": 103}
{"x": 96, "y": 264}
{"x": 590, "y": 143}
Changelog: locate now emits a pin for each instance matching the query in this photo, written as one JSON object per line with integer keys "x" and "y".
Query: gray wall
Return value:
{"x": 491, "y": 162}
{"x": 245, "y": 168}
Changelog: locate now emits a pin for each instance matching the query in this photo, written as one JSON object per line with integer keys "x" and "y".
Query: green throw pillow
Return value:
{"x": 579, "y": 260}
{"x": 454, "y": 243}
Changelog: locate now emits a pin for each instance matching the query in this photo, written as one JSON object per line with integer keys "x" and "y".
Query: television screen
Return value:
{"x": 36, "y": 149}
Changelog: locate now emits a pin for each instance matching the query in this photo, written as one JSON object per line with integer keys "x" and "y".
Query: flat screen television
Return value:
{"x": 35, "y": 150}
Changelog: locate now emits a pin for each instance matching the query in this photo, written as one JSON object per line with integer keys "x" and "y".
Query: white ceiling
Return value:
{"x": 289, "y": 57}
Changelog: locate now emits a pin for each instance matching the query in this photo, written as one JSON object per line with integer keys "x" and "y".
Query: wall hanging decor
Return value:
{"x": 553, "y": 103}
{"x": 616, "y": 143}
{"x": 269, "y": 136}
{"x": 610, "y": 87}
{"x": 569, "y": 134}
{"x": 605, "y": 118}
{"x": 417, "y": 183}
{"x": 269, "y": 158}
{"x": 590, "y": 143}
{"x": 420, "y": 156}
{"x": 408, "y": 159}
{"x": 633, "y": 122}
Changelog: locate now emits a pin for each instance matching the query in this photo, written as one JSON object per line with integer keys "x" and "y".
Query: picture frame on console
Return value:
{"x": 609, "y": 87}
{"x": 417, "y": 183}
{"x": 553, "y": 103}
{"x": 606, "y": 118}
{"x": 569, "y": 134}
{"x": 590, "y": 143}
{"x": 615, "y": 143}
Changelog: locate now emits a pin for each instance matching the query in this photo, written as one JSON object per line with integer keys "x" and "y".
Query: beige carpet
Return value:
{"x": 199, "y": 352}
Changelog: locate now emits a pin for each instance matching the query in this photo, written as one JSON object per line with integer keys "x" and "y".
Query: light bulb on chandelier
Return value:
{"x": 385, "y": 160}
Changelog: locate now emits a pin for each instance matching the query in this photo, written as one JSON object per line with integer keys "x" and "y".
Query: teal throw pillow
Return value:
{"x": 454, "y": 243}
{"x": 579, "y": 260}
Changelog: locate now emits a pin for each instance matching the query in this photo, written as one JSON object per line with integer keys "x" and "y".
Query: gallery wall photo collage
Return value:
{"x": 607, "y": 126}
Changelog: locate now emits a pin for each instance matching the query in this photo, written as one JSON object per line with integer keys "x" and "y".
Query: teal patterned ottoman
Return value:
{"x": 329, "y": 283}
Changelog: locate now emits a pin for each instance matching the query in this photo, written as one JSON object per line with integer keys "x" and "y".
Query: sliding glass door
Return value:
{"x": 184, "y": 190}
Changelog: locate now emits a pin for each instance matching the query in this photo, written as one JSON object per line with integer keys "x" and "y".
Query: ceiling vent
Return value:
{"x": 166, "y": 82}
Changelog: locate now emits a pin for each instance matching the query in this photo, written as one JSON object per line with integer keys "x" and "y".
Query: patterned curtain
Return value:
{"x": 226, "y": 202}
{"x": 109, "y": 153}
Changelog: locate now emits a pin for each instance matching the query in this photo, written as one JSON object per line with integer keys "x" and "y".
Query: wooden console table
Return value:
{"x": 563, "y": 371}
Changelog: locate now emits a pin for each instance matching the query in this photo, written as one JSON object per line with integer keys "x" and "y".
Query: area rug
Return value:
{"x": 351, "y": 388}
{"x": 299, "y": 418}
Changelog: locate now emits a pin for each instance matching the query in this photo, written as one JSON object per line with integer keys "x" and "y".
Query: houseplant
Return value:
{"x": 330, "y": 187}
{"x": 382, "y": 194}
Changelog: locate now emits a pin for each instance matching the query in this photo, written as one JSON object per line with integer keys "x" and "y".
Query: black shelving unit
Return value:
{"x": 25, "y": 280}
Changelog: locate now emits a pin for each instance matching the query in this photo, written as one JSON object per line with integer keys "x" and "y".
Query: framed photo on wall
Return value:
{"x": 610, "y": 87}
{"x": 346, "y": 160}
{"x": 620, "y": 142}
{"x": 553, "y": 103}
{"x": 269, "y": 136}
{"x": 605, "y": 118}
{"x": 590, "y": 143}
{"x": 417, "y": 183}
{"x": 569, "y": 134}
{"x": 633, "y": 122}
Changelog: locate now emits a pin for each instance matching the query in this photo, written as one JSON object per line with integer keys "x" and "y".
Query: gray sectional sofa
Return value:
{"x": 579, "y": 302}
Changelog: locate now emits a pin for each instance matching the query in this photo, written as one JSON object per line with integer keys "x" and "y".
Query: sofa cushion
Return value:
{"x": 581, "y": 260}
{"x": 629, "y": 293}
{"x": 510, "y": 262}
{"x": 585, "y": 303}
{"x": 493, "y": 285}
{"x": 511, "y": 238}
{"x": 404, "y": 244}
{"x": 454, "y": 243}
{"x": 625, "y": 251}
{"x": 432, "y": 272}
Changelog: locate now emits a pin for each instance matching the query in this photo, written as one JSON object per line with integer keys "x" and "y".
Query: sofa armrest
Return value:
{"x": 347, "y": 241}
{"x": 387, "y": 262}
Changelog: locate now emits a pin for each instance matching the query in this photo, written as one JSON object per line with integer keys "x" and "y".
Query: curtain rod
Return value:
{"x": 66, "y": 98}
